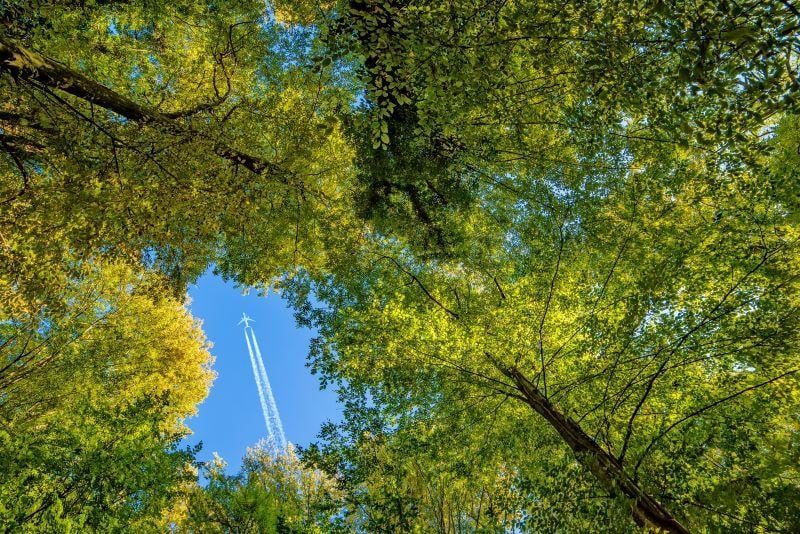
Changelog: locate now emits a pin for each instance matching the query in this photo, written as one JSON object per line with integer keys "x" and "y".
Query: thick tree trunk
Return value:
{"x": 645, "y": 509}
{"x": 26, "y": 64}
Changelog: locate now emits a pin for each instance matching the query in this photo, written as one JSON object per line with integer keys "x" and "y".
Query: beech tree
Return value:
{"x": 167, "y": 138}
{"x": 575, "y": 212}
{"x": 552, "y": 240}
{"x": 173, "y": 135}
{"x": 461, "y": 94}
{"x": 649, "y": 323}
{"x": 93, "y": 403}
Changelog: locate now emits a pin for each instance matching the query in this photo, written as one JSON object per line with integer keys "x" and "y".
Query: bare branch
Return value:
{"x": 647, "y": 390}
{"x": 26, "y": 64}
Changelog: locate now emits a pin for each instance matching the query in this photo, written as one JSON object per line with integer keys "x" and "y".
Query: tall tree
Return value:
{"x": 272, "y": 493}
{"x": 92, "y": 403}
{"x": 169, "y": 137}
{"x": 560, "y": 215}
{"x": 575, "y": 212}
{"x": 175, "y": 135}
{"x": 465, "y": 93}
{"x": 648, "y": 321}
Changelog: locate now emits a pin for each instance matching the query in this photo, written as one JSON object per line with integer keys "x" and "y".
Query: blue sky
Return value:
{"x": 230, "y": 419}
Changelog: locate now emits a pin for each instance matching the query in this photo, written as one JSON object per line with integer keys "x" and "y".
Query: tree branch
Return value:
{"x": 26, "y": 64}
{"x": 705, "y": 409}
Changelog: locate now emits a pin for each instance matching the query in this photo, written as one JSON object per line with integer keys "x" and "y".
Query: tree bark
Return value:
{"x": 26, "y": 64}
{"x": 646, "y": 511}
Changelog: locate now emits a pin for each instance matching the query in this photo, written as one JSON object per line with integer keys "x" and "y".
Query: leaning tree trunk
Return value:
{"x": 26, "y": 64}
{"x": 646, "y": 511}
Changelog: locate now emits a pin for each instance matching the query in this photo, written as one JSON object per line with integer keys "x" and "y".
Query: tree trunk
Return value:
{"x": 646, "y": 511}
{"x": 26, "y": 64}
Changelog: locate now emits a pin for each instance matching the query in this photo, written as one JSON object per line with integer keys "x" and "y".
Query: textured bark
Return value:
{"x": 646, "y": 511}
{"x": 26, "y": 64}
{"x": 29, "y": 65}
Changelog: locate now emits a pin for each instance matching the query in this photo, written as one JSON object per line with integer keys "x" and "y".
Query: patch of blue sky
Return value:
{"x": 230, "y": 419}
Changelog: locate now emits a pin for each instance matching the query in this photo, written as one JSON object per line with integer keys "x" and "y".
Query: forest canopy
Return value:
{"x": 549, "y": 249}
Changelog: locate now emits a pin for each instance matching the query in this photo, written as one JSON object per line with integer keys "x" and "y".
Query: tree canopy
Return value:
{"x": 272, "y": 493}
{"x": 93, "y": 402}
{"x": 550, "y": 250}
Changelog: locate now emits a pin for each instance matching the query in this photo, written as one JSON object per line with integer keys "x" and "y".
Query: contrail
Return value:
{"x": 264, "y": 408}
{"x": 272, "y": 418}
{"x": 276, "y": 418}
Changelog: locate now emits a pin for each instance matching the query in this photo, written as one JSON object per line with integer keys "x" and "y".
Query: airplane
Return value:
{"x": 246, "y": 320}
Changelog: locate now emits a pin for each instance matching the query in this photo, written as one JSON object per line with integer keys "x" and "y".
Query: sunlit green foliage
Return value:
{"x": 272, "y": 493}
{"x": 462, "y": 93}
{"x": 596, "y": 252}
{"x": 551, "y": 249}
{"x": 92, "y": 402}
{"x": 207, "y": 141}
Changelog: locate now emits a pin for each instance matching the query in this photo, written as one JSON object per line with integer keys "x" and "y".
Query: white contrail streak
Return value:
{"x": 264, "y": 408}
{"x": 277, "y": 425}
